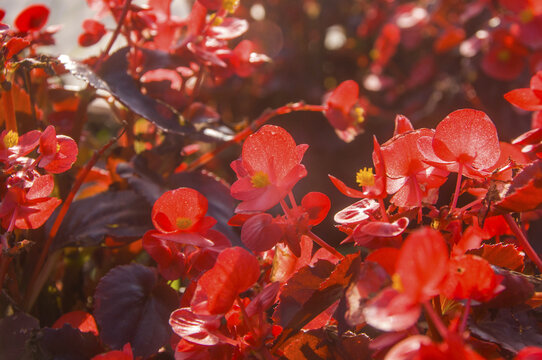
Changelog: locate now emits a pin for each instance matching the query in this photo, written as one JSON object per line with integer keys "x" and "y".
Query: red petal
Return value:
{"x": 423, "y": 263}
{"x": 15, "y": 45}
{"x": 64, "y": 157}
{"x": 35, "y": 215}
{"x": 195, "y": 328}
{"x": 260, "y": 233}
{"x": 391, "y": 311}
{"x": 41, "y": 187}
{"x": 357, "y": 212}
{"x": 385, "y": 257}
{"x": 180, "y": 203}
{"x": 317, "y": 205}
{"x": 525, "y": 193}
{"x": 383, "y": 229}
{"x": 235, "y": 271}
{"x": 32, "y": 18}
{"x": 348, "y": 191}
{"x": 467, "y": 136}
{"x": 471, "y": 277}
{"x": 525, "y": 99}
{"x": 402, "y": 125}
{"x": 78, "y": 320}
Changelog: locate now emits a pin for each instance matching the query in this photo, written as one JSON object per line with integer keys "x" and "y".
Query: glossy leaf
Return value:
{"x": 15, "y": 330}
{"x": 68, "y": 343}
{"x": 123, "y": 215}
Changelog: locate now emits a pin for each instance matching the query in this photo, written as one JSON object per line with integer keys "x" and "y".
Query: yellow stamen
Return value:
{"x": 218, "y": 21}
{"x": 503, "y": 55}
{"x": 260, "y": 179}
{"x": 365, "y": 177}
{"x": 396, "y": 283}
{"x": 359, "y": 113}
{"x": 435, "y": 224}
{"x": 184, "y": 223}
{"x": 526, "y": 16}
{"x": 11, "y": 139}
{"x": 230, "y": 5}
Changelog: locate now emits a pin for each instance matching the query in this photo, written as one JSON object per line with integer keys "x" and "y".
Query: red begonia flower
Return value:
{"x": 343, "y": 111}
{"x": 58, "y": 152}
{"x": 529, "y": 353}
{"x": 32, "y": 18}
{"x": 269, "y": 167}
{"x": 465, "y": 141}
{"x": 93, "y": 32}
{"x": 409, "y": 178}
{"x": 391, "y": 310}
{"x": 385, "y": 47}
{"x": 235, "y": 271}
{"x": 28, "y": 208}
{"x": 13, "y": 146}
{"x": 471, "y": 277}
{"x": 505, "y": 59}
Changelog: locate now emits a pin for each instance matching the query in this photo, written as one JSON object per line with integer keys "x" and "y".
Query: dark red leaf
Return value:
{"x": 15, "y": 330}
{"x": 133, "y": 306}
{"x": 502, "y": 255}
{"x": 67, "y": 343}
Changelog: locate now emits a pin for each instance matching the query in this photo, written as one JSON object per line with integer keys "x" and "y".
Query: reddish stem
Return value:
{"x": 436, "y": 320}
{"x": 383, "y": 211}
{"x": 115, "y": 33}
{"x": 62, "y": 213}
{"x": 523, "y": 241}
{"x": 265, "y": 117}
{"x": 457, "y": 187}
{"x": 466, "y": 311}
{"x": 325, "y": 245}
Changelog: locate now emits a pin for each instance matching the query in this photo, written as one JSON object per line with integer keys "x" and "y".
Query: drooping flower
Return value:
{"x": 343, "y": 110}
{"x": 269, "y": 167}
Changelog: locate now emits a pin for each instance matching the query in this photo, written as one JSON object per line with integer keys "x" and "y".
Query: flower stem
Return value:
{"x": 31, "y": 293}
{"x": 325, "y": 245}
{"x": 523, "y": 241}
{"x": 265, "y": 117}
{"x": 457, "y": 187}
{"x": 116, "y": 33}
{"x": 466, "y": 311}
{"x": 383, "y": 211}
{"x": 435, "y": 319}
{"x": 9, "y": 110}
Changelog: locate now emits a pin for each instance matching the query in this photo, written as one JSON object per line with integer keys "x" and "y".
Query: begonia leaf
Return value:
{"x": 235, "y": 271}
{"x": 513, "y": 328}
{"x": 32, "y": 18}
{"x": 324, "y": 344}
{"x": 310, "y": 291}
{"x": 68, "y": 343}
{"x": 114, "y": 78}
{"x": 525, "y": 192}
{"x": 502, "y": 255}
{"x": 133, "y": 306}
{"x": 15, "y": 330}
{"x": 518, "y": 288}
{"x": 123, "y": 215}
